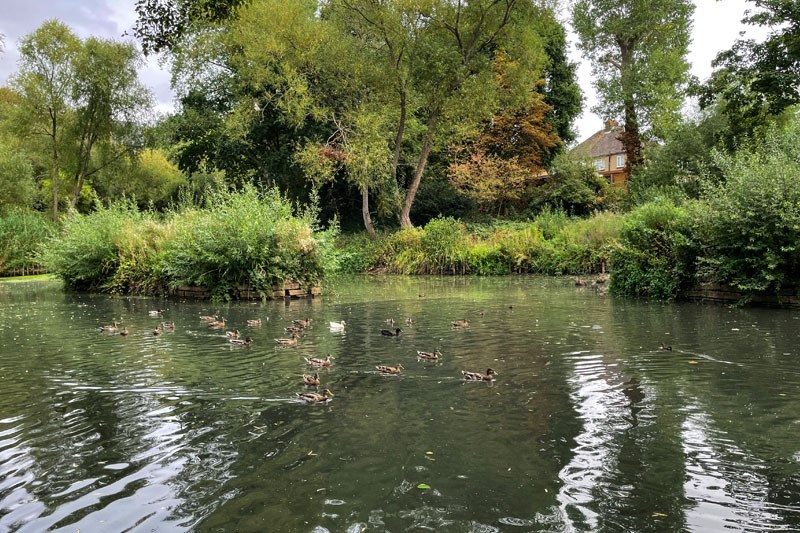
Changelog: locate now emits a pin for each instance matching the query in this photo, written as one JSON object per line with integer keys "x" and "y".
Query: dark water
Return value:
{"x": 589, "y": 426}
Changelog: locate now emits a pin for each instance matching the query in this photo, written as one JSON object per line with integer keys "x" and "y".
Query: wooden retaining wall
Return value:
{"x": 788, "y": 296}
{"x": 288, "y": 290}
{"x": 25, "y": 270}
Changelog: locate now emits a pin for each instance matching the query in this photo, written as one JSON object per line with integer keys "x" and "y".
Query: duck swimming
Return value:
{"x": 288, "y": 342}
{"x": 313, "y": 397}
{"x": 477, "y": 376}
{"x": 311, "y": 381}
{"x": 338, "y": 326}
{"x": 461, "y": 324}
{"x": 383, "y": 369}
{"x": 666, "y": 347}
{"x": 429, "y": 356}
{"x": 390, "y": 333}
{"x": 247, "y": 341}
{"x": 316, "y": 361}
{"x": 110, "y": 329}
{"x": 157, "y": 312}
{"x": 302, "y": 323}
{"x": 255, "y": 322}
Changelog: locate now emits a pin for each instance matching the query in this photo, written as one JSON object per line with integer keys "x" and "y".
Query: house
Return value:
{"x": 607, "y": 154}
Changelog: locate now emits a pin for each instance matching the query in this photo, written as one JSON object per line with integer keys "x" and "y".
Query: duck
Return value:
{"x": 409, "y": 321}
{"x": 288, "y": 342}
{"x": 666, "y": 347}
{"x": 217, "y": 323}
{"x": 311, "y": 381}
{"x": 461, "y": 324}
{"x": 390, "y": 321}
{"x": 477, "y": 376}
{"x": 579, "y": 282}
{"x": 158, "y": 331}
{"x": 302, "y": 323}
{"x": 293, "y": 329}
{"x": 110, "y": 329}
{"x": 429, "y": 356}
{"x": 254, "y": 322}
{"x": 157, "y": 312}
{"x": 124, "y": 331}
{"x": 383, "y": 369}
{"x": 316, "y": 361}
{"x": 338, "y": 326}
{"x": 232, "y": 334}
{"x": 210, "y": 318}
{"x": 247, "y": 341}
{"x": 168, "y": 325}
{"x": 314, "y": 397}
{"x": 390, "y": 333}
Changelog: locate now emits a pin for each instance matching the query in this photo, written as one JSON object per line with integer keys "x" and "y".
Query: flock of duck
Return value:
{"x": 294, "y": 331}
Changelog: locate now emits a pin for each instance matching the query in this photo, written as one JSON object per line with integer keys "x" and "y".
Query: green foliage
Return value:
{"x": 750, "y": 223}
{"x": 17, "y": 188}
{"x": 573, "y": 186}
{"x": 236, "y": 238}
{"x": 653, "y": 259}
{"x": 21, "y": 234}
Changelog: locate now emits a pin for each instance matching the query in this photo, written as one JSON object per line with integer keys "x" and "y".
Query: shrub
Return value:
{"x": 653, "y": 259}
{"x": 21, "y": 234}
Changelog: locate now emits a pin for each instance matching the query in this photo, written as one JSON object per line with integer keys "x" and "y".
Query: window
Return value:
{"x": 620, "y": 161}
{"x": 599, "y": 164}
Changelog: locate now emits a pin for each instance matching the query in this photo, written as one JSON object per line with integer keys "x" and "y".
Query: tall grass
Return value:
{"x": 21, "y": 234}
{"x": 236, "y": 238}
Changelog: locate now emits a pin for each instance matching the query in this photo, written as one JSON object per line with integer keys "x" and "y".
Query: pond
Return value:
{"x": 589, "y": 425}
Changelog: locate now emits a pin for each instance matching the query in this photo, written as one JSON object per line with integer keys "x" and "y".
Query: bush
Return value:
{"x": 654, "y": 257}
{"x": 21, "y": 234}
{"x": 750, "y": 224}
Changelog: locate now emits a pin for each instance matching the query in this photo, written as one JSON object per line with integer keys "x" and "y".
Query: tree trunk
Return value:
{"x": 405, "y": 214}
{"x": 84, "y": 170}
{"x": 630, "y": 137}
{"x": 365, "y": 212}
{"x": 398, "y": 140}
{"x": 56, "y": 169}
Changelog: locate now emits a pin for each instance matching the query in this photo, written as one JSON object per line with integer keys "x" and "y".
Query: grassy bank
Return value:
{"x": 22, "y": 233}
{"x": 235, "y": 238}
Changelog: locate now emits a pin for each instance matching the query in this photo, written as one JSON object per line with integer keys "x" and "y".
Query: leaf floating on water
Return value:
{"x": 659, "y": 514}
{"x": 428, "y": 453}
{"x": 423, "y": 486}
{"x": 692, "y": 362}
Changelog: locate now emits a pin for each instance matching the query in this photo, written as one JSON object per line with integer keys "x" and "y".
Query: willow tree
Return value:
{"x": 638, "y": 50}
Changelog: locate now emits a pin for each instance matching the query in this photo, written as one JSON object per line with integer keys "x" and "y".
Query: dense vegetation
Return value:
{"x": 434, "y": 133}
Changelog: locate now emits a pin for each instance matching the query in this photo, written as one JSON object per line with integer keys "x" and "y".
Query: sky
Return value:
{"x": 716, "y": 26}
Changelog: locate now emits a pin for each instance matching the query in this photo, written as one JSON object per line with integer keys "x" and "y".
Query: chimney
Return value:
{"x": 611, "y": 124}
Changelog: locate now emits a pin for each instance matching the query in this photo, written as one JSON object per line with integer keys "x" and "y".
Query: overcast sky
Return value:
{"x": 716, "y": 26}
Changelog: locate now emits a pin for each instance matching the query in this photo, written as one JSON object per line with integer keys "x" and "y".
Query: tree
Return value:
{"x": 16, "y": 180}
{"x": 109, "y": 103}
{"x": 754, "y": 81}
{"x": 45, "y": 81}
{"x": 638, "y": 52}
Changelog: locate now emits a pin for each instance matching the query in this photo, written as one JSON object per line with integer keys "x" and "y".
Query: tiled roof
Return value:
{"x": 602, "y": 143}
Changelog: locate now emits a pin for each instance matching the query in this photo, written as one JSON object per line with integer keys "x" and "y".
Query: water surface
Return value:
{"x": 589, "y": 426}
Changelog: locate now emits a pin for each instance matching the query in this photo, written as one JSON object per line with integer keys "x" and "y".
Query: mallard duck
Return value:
{"x": 217, "y": 323}
{"x": 430, "y": 356}
{"x": 302, "y": 323}
{"x": 110, "y": 329}
{"x": 311, "y": 381}
{"x": 477, "y": 376}
{"x": 210, "y": 318}
{"x": 247, "y": 341}
{"x": 124, "y": 331}
{"x": 158, "y": 331}
{"x": 293, "y": 329}
{"x": 232, "y": 334}
{"x": 390, "y": 333}
{"x": 316, "y": 361}
{"x": 338, "y": 326}
{"x": 461, "y": 324}
{"x": 314, "y": 397}
{"x": 168, "y": 325}
{"x": 390, "y": 321}
{"x": 409, "y": 321}
{"x": 254, "y": 322}
{"x": 666, "y": 347}
{"x": 288, "y": 342}
{"x": 157, "y": 312}
{"x": 579, "y": 282}
{"x": 383, "y": 369}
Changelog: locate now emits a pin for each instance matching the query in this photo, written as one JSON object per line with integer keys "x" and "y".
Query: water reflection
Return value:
{"x": 589, "y": 426}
